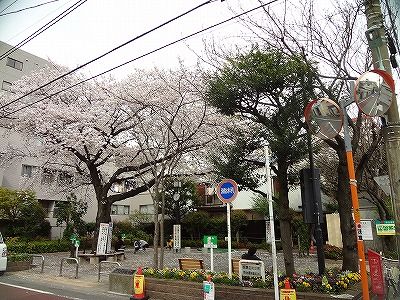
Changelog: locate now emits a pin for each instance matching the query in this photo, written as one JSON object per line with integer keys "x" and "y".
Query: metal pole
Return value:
{"x": 272, "y": 225}
{"x": 228, "y": 223}
{"x": 318, "y": 230}
{"x": 212, "y": 259}
{"x": 356, "y": 208}
{"x": 380, "y": 57}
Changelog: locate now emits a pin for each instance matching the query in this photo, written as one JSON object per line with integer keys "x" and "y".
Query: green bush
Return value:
{"x": 333, "y": 252}
{"x": 19, "y": 257}
{"x": 15, "y": 246}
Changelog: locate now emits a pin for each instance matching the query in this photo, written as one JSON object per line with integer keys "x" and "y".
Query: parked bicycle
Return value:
{"x": 391, "y": 273}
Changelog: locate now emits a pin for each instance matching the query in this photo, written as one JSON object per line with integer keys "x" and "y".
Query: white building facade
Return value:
{"x": 31, "y": 173}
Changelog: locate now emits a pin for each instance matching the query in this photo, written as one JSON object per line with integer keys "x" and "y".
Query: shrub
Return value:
{"x": 19, "y": 257}
{"x": 333, "y": 252}
{"x": 15, "y": 246}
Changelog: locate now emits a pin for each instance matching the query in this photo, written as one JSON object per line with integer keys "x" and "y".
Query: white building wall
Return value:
{"x": 10, "y": 173}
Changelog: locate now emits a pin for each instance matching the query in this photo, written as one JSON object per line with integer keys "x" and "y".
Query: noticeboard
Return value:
{"x": 251, "y": 268}
{"x": 385, "y": 227}
{"x": 210, "y": 241}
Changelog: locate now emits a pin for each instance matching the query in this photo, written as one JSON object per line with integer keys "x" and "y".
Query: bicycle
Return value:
{"x": 391, "y": 275}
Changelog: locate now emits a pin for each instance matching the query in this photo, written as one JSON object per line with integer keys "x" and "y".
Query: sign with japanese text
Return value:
{"x": 376, "y": 273}
{"x": 251, "y": 268}
{"x": 227, "y": 190}
{"x": 386, "y": 227}
{"x": 366, "y": 229}
{"x": 177, "y": 236}
{"x": 102, "y": 239}
{"x": 208, "y": 290}
{"x": 210, "y": 241}
{"x": 109, "y": 237}
{"x": 287, "y": 294}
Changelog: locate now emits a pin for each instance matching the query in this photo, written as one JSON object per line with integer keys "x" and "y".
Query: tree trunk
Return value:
{"x": 162, "y": 231}
{"x": 347, "y": 226}
{"x": 156, "y": 238}
{"x": 285, "y": 218}
{"x": 103, "y": 216}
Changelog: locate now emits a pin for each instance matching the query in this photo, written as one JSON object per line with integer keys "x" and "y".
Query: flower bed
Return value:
{"x": 333, "y": 282}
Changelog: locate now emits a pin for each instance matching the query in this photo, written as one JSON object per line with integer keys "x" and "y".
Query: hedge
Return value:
{"x": 39, "y": 246}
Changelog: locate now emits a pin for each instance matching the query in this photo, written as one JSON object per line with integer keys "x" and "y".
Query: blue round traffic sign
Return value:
{"x": 227, "y": 190}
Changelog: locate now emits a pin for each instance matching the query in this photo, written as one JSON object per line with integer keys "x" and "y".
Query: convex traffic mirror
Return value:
{"x": 324, "y": 118}
{"x": 373, "y": 92}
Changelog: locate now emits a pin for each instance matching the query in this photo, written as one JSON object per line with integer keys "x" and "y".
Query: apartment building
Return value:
{"x": 30, "y": 172}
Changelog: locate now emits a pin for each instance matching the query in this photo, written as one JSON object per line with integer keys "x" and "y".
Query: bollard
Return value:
{"x": 139, "y": 292}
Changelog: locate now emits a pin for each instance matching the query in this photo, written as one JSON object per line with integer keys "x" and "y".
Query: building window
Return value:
{"x": 13, "y": 63}
{"x": 120, "y": 209}
{"x": 48, "y": 176}
{"x": 64, "y": 177}
{"x": 6, "y": 86}
{"x": 27, "y": 170}
{"x": 146, "y": 209}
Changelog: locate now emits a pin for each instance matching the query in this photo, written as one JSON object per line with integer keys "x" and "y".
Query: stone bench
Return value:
{"x": 96, "y": 258}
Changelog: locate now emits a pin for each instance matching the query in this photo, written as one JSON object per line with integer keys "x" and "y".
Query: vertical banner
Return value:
{"x": 109, "y": 237}
{"x": 376, "y": 272}
{"x": 177, "y": 237}
{"x": 268, "y": 231}
{"x": 102, "y": 239}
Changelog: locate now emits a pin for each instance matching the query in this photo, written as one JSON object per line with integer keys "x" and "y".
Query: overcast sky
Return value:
{"x": 100, "y": 25}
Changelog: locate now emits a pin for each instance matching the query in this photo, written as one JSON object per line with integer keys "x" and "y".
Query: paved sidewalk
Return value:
{"x": 88, "y": 273}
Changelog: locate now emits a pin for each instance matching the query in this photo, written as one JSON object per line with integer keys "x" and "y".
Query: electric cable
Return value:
{"x": 30, "y": 7}
{"x": 106, "y": 53}
{"x": 132, "y": 60}
{"x": 43, "y": 28}
{"x": 8, "y": 6}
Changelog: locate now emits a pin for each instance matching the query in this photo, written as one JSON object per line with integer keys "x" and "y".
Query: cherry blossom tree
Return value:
{"x": 111, "y": 132}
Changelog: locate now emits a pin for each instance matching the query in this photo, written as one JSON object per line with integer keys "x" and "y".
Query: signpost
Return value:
{"x": 210, "y": 241}
{"x": 102, "y": 239}
{"x": 227, "y": 191}
{"x": 386, "y": 227}
{"x": 109, "y": 237}
{"x": 177, "y": 237}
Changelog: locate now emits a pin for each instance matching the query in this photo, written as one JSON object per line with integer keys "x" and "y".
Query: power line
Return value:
{"x": 108, "y": 52}
{"x": 8, "y": 6}
{"x": 30, "y": 7}
{"x": 132, "y": 60}
{"x": 43, "y": 28}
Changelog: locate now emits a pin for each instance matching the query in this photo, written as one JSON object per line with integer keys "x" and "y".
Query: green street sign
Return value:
{"x": 210, "y": 241}
{"x": 73, "y": 237}
{"x": 386, "y": 227}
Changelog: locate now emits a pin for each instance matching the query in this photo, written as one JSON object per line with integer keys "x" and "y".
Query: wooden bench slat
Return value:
{"x": 190, "y": 264}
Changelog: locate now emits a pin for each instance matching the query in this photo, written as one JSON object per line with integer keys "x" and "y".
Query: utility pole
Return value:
{"x": 380, "y": 56}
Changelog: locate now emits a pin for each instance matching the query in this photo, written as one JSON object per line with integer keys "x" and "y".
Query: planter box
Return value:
{"x": 170, "y": 289}
{"x": 13, "y": 266}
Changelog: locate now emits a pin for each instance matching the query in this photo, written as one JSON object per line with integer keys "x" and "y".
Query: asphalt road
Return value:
{"x": 14, "y": 292}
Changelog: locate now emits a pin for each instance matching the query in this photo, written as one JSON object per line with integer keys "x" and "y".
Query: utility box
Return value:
{"x": 309, "y": 204}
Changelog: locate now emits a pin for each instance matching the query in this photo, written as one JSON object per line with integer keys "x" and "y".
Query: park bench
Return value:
{"x": 96, "y": 258}
{"x": 190, "y": 264}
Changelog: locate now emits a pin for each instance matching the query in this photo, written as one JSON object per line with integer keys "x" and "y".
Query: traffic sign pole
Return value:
{"x": 228, "y": 222}
{"x": 356, "y": 208}
{"x": 227, "y": 191}
{"x": 212, "y": 259}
